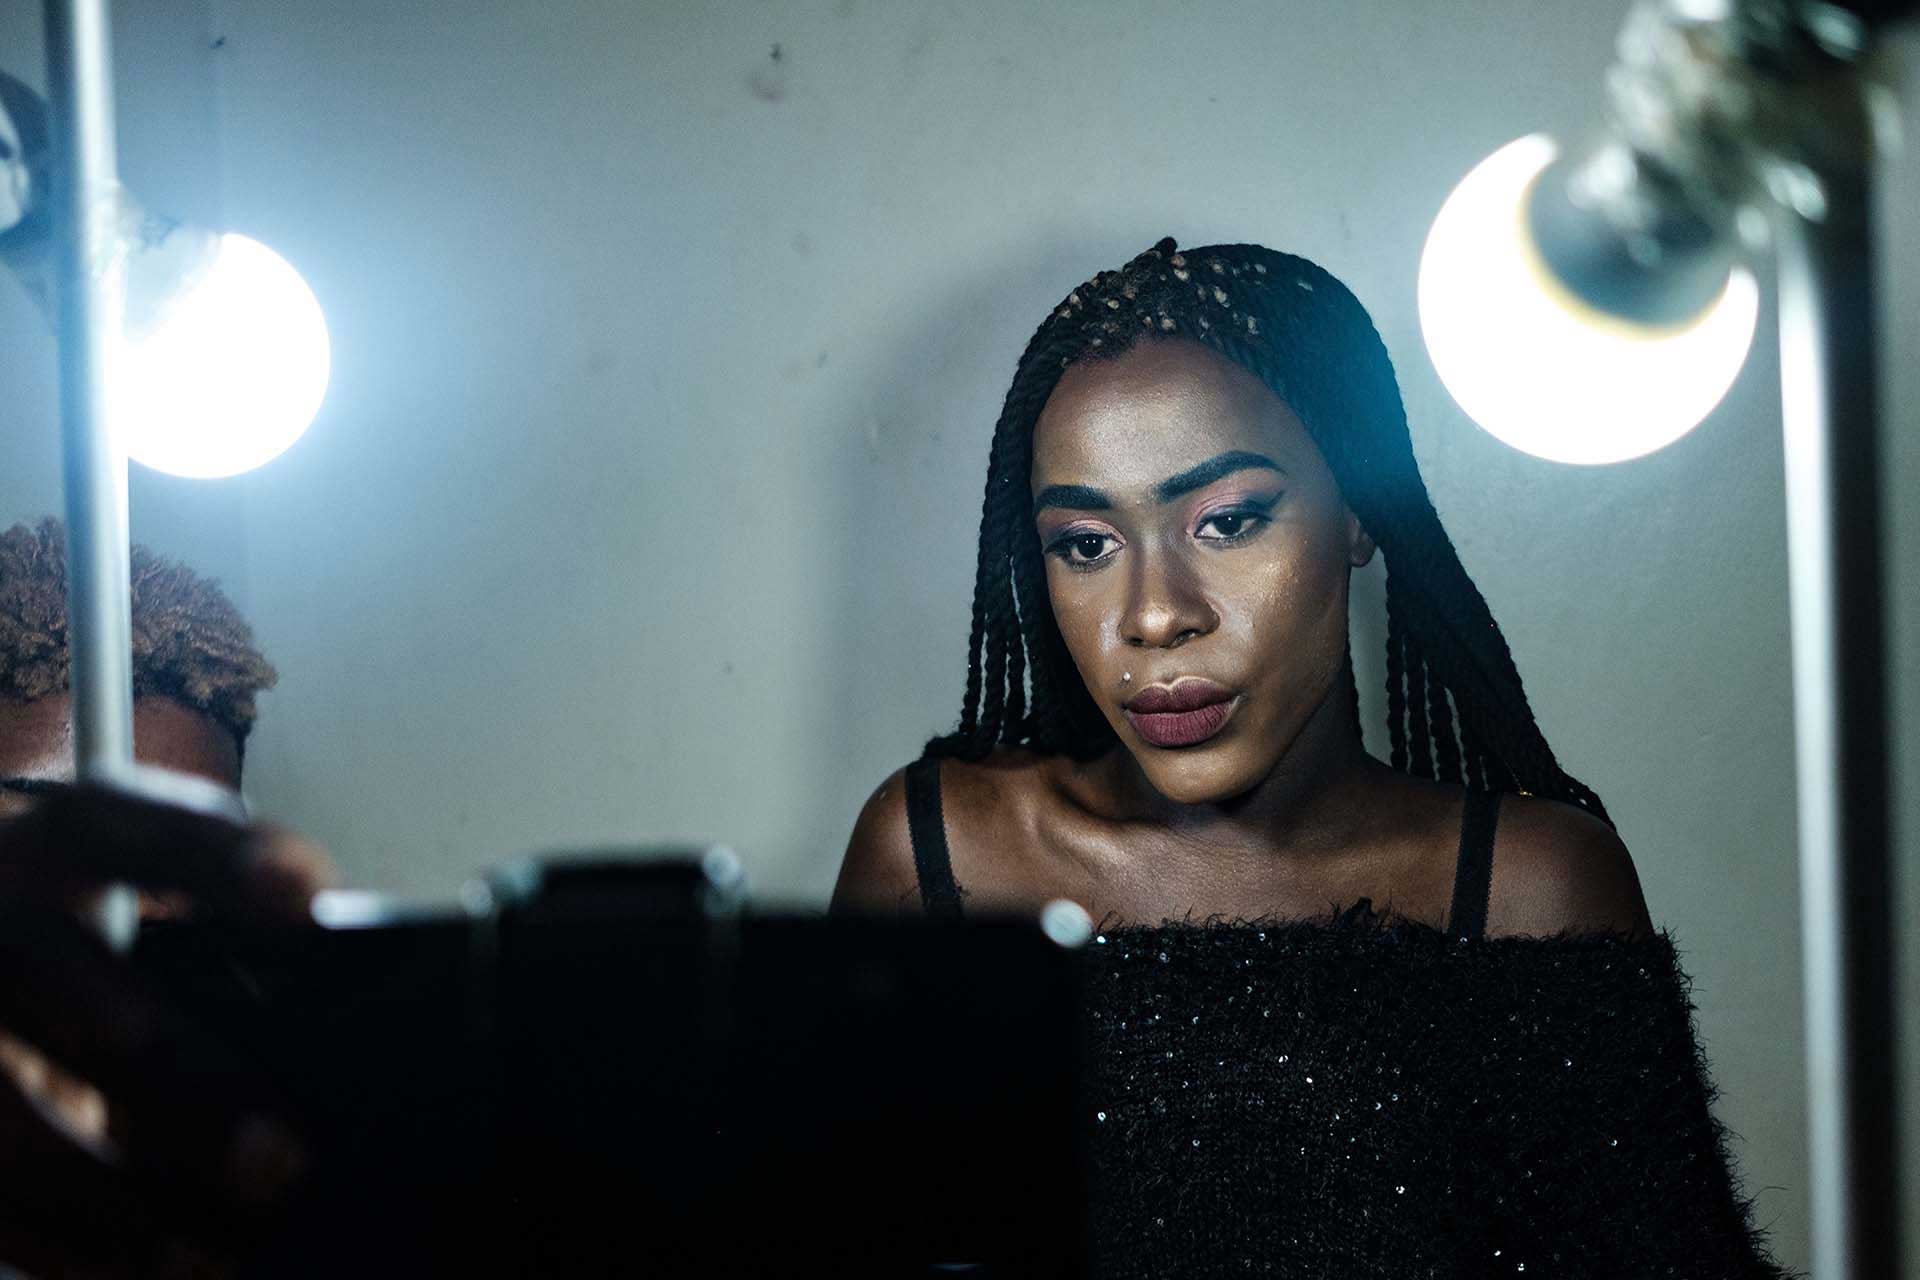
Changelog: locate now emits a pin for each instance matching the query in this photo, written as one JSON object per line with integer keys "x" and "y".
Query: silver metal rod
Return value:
{"x": 89, "y": 300}
{"x": 1828, "y": 372}
{"x": 89, "y": 303}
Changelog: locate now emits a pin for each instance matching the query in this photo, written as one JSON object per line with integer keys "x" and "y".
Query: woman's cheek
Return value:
{"x": 1260, "y": 600}
{"x": 1075, "y": 612}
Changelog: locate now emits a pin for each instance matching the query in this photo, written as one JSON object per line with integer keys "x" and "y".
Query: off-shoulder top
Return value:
{"x": 1367, "y": 1095}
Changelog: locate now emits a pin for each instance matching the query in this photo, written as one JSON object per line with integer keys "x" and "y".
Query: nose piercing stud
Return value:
{"x": 1125, "y": 676}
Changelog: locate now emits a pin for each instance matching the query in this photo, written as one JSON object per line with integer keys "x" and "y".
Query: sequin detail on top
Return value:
{"x": 1365, "y": 1096}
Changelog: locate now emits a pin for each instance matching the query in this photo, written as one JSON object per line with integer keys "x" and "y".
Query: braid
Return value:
{"x": 996, "y": 648}
{"x": 1476, "y": 758}
{"x": 1016, "y": 712}
{"x": 1419, "y": 736}
{"x": 1485, "y": 684}
{"x": 1396, "y": 674}
{"x": 977, "y": 638}
{"x": 1446, "y": 748}
{"x": 1456, "y": 708}
{"x": 1353, "y": 686}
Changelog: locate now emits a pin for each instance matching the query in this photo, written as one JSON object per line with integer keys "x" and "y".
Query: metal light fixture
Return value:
{"x": 223, "y": 353}
{"x": 198, "y": 353}
{"x": 1738, "y": 128}
{"x": 1539, "y": 366}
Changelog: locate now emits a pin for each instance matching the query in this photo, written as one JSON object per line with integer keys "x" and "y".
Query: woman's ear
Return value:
{"x": 1360, "y": 544}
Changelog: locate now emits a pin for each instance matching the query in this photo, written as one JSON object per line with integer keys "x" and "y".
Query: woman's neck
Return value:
{"x": 1305, "y": 807}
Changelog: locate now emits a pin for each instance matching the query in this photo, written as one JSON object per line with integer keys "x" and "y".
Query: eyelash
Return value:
{"x": 1062, "y": 547}
{"x": 1255, "y": 514}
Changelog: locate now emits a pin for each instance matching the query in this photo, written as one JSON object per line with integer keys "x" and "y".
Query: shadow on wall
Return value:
{"x": 908, "y": 472}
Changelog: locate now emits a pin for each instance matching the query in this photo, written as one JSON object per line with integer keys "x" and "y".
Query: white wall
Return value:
{"x": 644, "y": 501}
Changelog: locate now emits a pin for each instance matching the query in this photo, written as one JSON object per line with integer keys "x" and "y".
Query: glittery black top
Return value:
{"x": 1370, "y": 1096}
{"x": 1367, "y": 1095}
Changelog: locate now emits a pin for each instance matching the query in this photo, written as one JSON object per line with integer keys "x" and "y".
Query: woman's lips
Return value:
{"x": 1181, "y": 715}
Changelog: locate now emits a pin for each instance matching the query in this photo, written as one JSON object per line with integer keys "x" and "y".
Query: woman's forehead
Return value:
{"x": 1130, "y": 422}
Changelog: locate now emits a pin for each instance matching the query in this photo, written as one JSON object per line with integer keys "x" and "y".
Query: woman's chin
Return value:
{"x": 1194, "y": 776}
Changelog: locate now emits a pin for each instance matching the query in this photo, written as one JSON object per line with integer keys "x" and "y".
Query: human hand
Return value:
{"x": 131, "y": 1143}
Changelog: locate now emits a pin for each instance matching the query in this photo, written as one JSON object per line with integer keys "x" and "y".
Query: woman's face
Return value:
{"x": 1197, "y": 553}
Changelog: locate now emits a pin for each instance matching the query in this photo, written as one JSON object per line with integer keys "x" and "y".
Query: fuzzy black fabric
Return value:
{"x": 1367, "y": 1096}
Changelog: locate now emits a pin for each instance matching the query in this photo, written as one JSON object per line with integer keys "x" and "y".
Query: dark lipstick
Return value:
{"x": 1183, "y": 714}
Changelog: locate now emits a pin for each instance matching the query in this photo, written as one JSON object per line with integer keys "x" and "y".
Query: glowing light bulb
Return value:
{"x": 225, "y": 364}
{"x": 1542, "y": 370}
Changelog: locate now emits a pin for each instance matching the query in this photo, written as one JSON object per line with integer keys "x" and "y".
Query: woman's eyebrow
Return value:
{"x": 1212, "y": 469}
{"x": 1076, "y": 497}
{"x": 1080, "y": 497}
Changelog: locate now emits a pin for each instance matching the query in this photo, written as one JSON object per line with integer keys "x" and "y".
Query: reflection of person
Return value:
{"x": 196, "y": 671}
{"x": 1492, "y": 1071}
{"x": 76, "y": 1193}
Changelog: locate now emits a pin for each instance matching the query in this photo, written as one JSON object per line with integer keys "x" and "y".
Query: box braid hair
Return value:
{"x": 1456, "y": 710}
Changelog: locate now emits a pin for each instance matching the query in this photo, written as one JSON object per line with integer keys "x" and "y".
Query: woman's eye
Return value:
{"x": 1082, "y": 548}
{"x": 1229, "y": 526}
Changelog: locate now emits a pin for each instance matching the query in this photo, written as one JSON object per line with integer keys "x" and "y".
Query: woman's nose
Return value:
{"x": 1165, "y": 607}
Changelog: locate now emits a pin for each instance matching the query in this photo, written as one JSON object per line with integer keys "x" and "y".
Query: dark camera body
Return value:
{"x": 599, "y": 1070}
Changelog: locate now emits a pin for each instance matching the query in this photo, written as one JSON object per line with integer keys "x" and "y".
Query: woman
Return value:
{"x": 1494, "y": 1070}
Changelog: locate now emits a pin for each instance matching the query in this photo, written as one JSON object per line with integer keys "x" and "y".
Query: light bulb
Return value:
{"x": 1539, "y": 368}
{"x": 225, "y": 361}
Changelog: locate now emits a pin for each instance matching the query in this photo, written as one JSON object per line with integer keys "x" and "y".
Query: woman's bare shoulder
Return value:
{"x": 979, "y": 800}
{"x": 876, "y": 873}
{"x": 1558, "y": 868}
{"x": 1006, "y": 779}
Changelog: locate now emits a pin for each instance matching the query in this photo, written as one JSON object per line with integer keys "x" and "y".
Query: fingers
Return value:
{"x": 287, "y": 871}
{"x": 65, "y": 1207}
{"x": 195, "y": 1149}
{"x": 184, "y": 1111}
{"x": 92, "y": 833}
{"x": 70, "y": 1209}
{"x": 73, "y": 1102}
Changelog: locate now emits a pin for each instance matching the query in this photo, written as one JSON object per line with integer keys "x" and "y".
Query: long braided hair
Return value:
{"x": 1456, "y": 711}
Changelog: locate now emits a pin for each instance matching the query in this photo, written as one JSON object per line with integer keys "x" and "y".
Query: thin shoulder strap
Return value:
{"x": 927, "y": 827}
{"x": 1473, "y": 874}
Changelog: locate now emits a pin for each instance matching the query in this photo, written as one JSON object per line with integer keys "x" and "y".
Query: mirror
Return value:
{"x": 668, "y": 344}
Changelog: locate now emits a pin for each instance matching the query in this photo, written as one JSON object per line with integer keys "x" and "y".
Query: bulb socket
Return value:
{"x": 1620, "y": 235}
